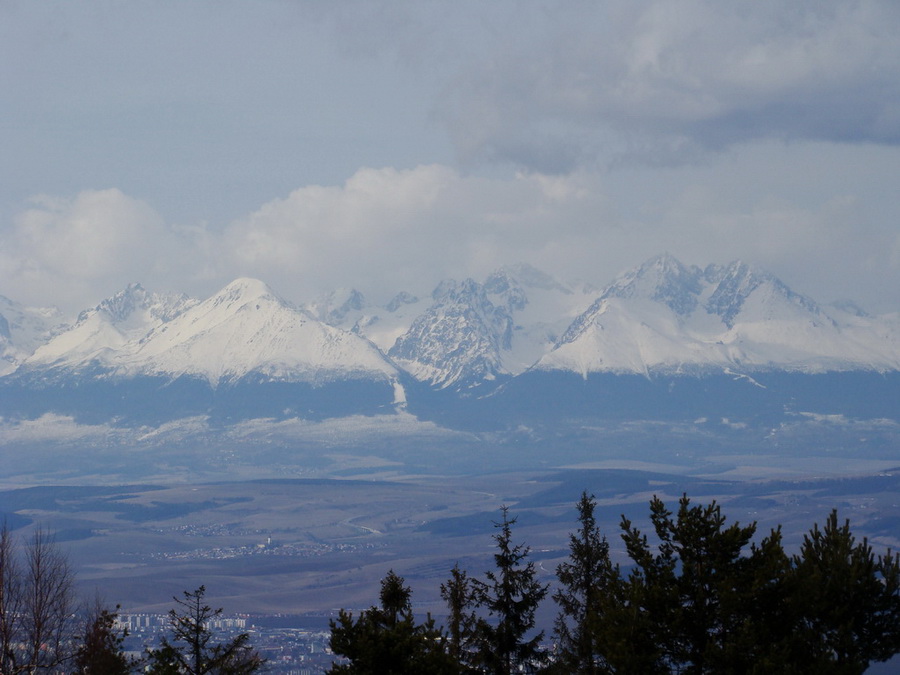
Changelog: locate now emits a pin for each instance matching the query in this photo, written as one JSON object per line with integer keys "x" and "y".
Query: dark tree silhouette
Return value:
{"x": 846, "y": 598}
{"x": 36, "y": 601}
{"x": 458, "y": 592}
{"x": 191, "y": 650}
{"x": 585, "y": 580}
{"x": 100, "y": 648}
{"x": 387, "y": 640}
{"x": 511, "y": 596}
{"x": 684, "y": 603}
{"x": 704, "y": 599}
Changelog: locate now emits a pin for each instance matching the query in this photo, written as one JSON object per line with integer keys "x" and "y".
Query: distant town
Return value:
{"x": 292, "y": 645}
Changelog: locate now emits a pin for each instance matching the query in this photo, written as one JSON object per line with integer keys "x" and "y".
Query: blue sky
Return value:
{"x": 387, "y": 145}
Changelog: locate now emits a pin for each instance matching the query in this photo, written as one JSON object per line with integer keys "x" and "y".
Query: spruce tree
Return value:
{"x": 459, "y": 594}
{"x": 682, "y": 605}
{"x": 511, "y": 597}
{"x": 584, "y": 582}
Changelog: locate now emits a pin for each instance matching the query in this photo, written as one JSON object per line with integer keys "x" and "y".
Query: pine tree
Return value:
{"x": 680, "y": 608}
{"x": 511, "y": 596}
{"x": 386, "y": 639}
{"x": 847, "y": 599}
{"x": 584, "y": 582}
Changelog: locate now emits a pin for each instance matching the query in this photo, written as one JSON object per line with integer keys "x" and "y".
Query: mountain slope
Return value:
{"x": 243, "y": 353}
{"x": 457, "y": 340}
{"x": 103, "y": 334}
{"x": 246, "y": 328}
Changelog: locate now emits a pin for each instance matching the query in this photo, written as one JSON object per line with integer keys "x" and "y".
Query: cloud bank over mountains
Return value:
{"x": 662, "y": 81}
{"x": 390, "y": 145}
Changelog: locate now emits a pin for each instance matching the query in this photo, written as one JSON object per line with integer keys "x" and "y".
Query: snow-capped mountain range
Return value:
{"x": 469, "y": 338}
{"x": 666, "y": 317}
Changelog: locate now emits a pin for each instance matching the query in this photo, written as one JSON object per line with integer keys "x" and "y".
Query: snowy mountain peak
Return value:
{"x": 736, "y": 282}
{"x": 476, "y": 332}
{"x": 662, "y": 279}
{"x": 450, "y": 290}
{"x": 661, "y": 316}
{"x": 120, "y": 307}
{"x": 247, "y": 328}
{"x": 524, "y": 275}
{"x": 336, "y": 307}
{"x": 101, "y": 333}
{"x": 507, "y": 290}
{"x": 245, "y": 290}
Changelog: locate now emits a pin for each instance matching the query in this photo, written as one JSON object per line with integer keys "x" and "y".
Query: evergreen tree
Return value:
{"x": 386, "y": 640}
{"x": 584, "y": 581}
{"x": 762, "y": 638}
{"x": 681, "y": 607}
{"x": 846, "y": 598}
{"x": 100, "y": 649}
{"x": 191, "y": 650}
{"x": 700, "y": 602}
{"x": 458, "y": 593}
{"x": 511, "y": 596}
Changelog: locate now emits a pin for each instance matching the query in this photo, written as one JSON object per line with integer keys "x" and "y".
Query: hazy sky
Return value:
{"x": 387, "y": 145}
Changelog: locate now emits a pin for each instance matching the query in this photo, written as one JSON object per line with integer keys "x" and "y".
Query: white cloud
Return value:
{"x": 88, "y": 237}
{"x": 68, "y": 249}
{"x": 827, "y": 234}
{"x": 386, "y": 230}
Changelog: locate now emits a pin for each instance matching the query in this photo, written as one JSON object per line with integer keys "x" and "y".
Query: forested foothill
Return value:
{"x": 698, "y": 595}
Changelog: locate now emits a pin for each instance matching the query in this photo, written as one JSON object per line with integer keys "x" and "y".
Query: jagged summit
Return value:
{"x": 402, "y": 298}
{"x": 100, "y": 334}
{"x": 244, "y": 328}
{"x": 458, "y": 339}
{"x": 247, "y": 328}
{"x": 521, "y": 276}
{"x": 478, "y": 332}
{"x": 735, "y": 283}
{"x": 663, "y": 279}
{"x": 667, "y": 317}
{"x": 120, "y": 306}
{"x": 135, "y": 298}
